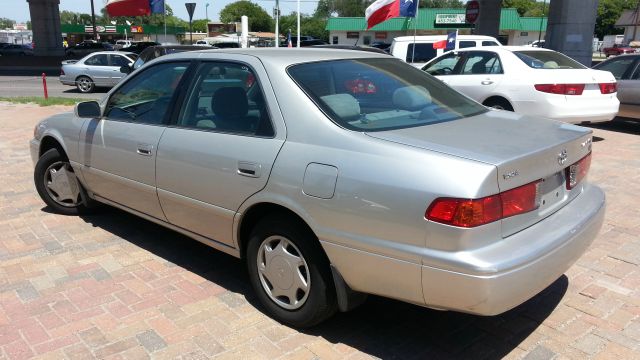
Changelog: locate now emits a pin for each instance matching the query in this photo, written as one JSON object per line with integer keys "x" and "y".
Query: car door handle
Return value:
{"x": 486, "y": 82}
{"x": 145, "y": 149}
{"x": 249, "y": 169}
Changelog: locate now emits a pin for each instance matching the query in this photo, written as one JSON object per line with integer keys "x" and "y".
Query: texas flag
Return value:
{"x": 449, "y": 44}
{"x": 382, "y": 10}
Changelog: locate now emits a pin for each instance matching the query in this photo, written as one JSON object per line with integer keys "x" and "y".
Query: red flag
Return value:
{"x": 442, "y": 44}
{"x": 128, "y": 7}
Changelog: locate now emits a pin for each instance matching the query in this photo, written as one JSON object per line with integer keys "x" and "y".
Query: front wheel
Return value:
{"x": 499, "y": 104}
{"x": 85, "y": 84}
{"x": 57, "y": 184}
{"x": 290, "y": 273}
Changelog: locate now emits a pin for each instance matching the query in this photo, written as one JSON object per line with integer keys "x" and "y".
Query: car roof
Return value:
{"x": 503, "y": 48}
{"x": 111, "y": 52}
{"x": 440, "y": 37}
{"x": 282, "y": 56}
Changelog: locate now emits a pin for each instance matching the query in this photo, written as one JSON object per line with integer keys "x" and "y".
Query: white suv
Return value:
{"x": 403, "y": 47}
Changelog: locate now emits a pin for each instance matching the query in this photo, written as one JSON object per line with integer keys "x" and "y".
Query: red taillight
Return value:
{"x": 576, "y": 172}
{"x": 250, "y": 80}
{"x": 608, "y": 88}
{"x": 475, "y": 212}
{"x": 561, "y": 89}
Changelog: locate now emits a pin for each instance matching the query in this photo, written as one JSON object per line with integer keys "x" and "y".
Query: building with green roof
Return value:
{"x": 514, "y": 29}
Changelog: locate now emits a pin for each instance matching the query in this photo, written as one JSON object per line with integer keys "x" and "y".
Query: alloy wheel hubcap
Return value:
{"x": 85, "y": 85}
{"x": 284, "y": 273}
{"x": 62, "y": 185}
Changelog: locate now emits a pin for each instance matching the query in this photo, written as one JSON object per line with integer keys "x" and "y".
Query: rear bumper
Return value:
{"x": 574, "y": 112}
{"x": 497, "y": 278}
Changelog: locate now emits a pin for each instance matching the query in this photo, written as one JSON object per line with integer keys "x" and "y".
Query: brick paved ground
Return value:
{"x": 114, "y": 286}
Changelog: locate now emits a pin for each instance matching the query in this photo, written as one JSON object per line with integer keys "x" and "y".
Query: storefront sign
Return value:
{"x": 450, "y": 19}
{"x": 353, "y": 35}
{"x": 381, "y": 35}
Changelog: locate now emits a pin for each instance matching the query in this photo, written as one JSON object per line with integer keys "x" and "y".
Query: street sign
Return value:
{"x": 191, "y": 7}
{"x": 472, "y": 12}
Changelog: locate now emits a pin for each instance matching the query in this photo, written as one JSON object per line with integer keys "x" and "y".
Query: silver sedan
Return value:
{"x": 626, "y": 70}
{"x": 98, "y": 69}
{"x": 332, "y": 174}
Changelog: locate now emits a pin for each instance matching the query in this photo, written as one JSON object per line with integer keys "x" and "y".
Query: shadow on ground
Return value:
{"x": 619, "y": 124}
{"x": 381, "y": 327}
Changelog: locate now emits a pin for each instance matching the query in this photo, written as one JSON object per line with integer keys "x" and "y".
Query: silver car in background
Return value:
{"x": 332, "y": 174}
{"x": 626, "y": 70}
{"x": 98, "y": 69}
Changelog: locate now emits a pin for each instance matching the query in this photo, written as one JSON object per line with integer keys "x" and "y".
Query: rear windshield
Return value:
{"x": 547, "y": 60}
{"x": 380, "y": 94}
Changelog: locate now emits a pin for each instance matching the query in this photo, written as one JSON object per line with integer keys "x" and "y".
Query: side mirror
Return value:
{"x": 88, "y": 109}
{"x": 125, "y": 69}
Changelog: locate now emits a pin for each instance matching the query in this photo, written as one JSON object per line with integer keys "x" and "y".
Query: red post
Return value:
{"x": 44, "y": 85}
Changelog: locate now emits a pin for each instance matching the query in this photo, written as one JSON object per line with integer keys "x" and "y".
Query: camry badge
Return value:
{"x": 562, "y": 157}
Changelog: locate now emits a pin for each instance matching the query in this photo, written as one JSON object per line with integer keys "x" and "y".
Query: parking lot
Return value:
{"x": 112, "y": 285}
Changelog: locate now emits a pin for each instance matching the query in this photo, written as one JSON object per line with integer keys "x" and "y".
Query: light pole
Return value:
{"x": 206, "y": 12}
{"x": 93, "y": 22}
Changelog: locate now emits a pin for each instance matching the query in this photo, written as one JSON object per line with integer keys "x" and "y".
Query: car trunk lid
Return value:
{"x": 523, "y": 149}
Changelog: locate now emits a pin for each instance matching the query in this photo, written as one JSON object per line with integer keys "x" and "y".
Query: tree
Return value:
{"x": 309, "y": 25}
{"x": 259, "y": 20}
{"x": 200, "y": 25}
{"x": 609, "y": 12}
{"x": 6, "y": 23}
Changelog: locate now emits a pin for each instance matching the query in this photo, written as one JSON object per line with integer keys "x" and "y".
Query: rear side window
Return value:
{"x": 380, "y": 94}
{"x": 466, "y": 44}
{"x": 226, "y": 97}
{"x": 547, "y": 60}
{"x": 490, "y": 43}
{"x": 423, "y": 52}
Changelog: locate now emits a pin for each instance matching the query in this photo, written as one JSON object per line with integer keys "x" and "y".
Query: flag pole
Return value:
{"x": 298, "y": 43}
{"x": 164, "y": 19}
{"x": 456, "y": 44}
{"x": 415, "y": 29}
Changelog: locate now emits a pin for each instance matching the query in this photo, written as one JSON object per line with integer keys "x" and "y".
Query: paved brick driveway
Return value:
{"x": 115, "y": 286}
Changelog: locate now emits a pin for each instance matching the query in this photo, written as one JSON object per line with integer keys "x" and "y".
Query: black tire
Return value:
{"x": 320, "y": 302}
{"x": 85, "y": 85}
{"x": 498, "y": 103}
{"x": 49, "y": 158}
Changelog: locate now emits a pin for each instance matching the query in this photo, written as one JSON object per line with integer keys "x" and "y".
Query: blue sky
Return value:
{"x": 19, "y": 9}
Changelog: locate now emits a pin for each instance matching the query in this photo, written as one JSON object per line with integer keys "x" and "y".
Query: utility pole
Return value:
{"x": 277, "y": 15}
{"x": 93, "y": 22}
{"x": 544, "y": 4}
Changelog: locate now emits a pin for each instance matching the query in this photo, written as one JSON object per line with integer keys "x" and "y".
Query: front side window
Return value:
{"x": 482, "y": 63}
{"x": 97, "y": 60}
{"x": 547, "y": 60}
{"x": 380, "y": 94}
{"x": 226, "y": 97}
{"x": 618, "y": 67}
{"x": 422, "y": 53}
{"x": 118, "y": 60}
{"x": 145, "y": 98}
{"x": 443, "y": 66}
{"x": 636, "y": 74}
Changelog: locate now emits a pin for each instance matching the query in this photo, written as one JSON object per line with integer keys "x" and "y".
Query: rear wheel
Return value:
{"x": 498, "y": 103}
{"x": 57, "y": 184}
{"x": 85, "y": 84}
{"x": 290, "y": 273}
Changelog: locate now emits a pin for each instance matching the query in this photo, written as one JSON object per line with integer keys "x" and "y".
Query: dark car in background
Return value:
{"x": 83, "y": 49}
{"x": 16, "y": 50}
{"x": 153, "y": 52}
{"x": 139, "y": 46}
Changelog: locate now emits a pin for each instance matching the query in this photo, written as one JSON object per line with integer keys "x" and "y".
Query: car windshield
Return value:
{"x": 380, "y": 94}
{"x": 547, "y": 60}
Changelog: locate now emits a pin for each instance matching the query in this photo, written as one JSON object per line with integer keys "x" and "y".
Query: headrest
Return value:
{"x": 411, "y": 98}
{"x": 550, "y": 65}
{"x": 230, "y": 102}
{"x": 478, "y": 68}
{"x": 344, "y": 105}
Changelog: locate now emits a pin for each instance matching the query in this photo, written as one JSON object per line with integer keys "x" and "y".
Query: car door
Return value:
{"x": 479, "y": 75}
{"x": 629, "y": 89}
{"x": 97, "y": 67}
{"x": 118, "y": 151}
{"x": 115, "y": 63}
{"x": 220, "y": 149}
